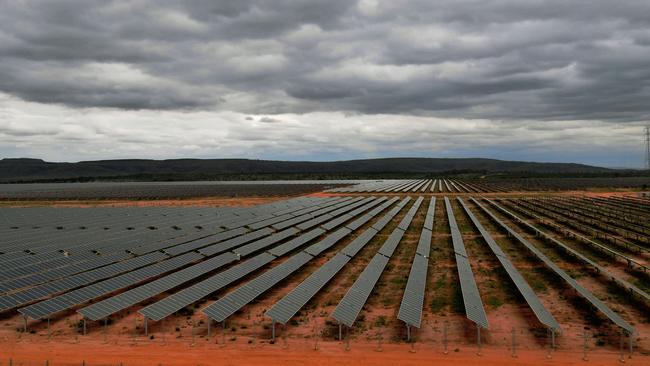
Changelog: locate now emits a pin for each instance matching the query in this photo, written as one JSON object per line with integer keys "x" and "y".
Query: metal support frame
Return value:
{"x": 478, "y": 339}
{"x": 223, "y": 333}
{"x": 84, "y": 330}
{"x": 514, "y": 343}
{"x": 340, "y": 332}
{"x": 584, "y": 346}
{"x": 105, "y": 330}
{"x": 444, "y": 338}
{"x": 347, "y": 338}
{"x": 193, "y": 332}
{"x": 273, "y": 330}
{"x": 284, "y": 336}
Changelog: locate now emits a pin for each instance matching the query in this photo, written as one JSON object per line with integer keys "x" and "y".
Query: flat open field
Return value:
{"x": 406, "y": 271}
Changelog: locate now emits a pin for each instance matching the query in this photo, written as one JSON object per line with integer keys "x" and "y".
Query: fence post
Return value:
{"x": 514, "y": 343}
{"x": 164, "y": 331}
{"x": 316, "y": 336}
{"x": 584, "y": 346}
{"x": 379, "y": 339}
{"x": 444, "y": 337}
{"x": 622, "y": 357}
{"x": 478, "y": 339}
{"x": 630, "y": 344}
{"x": 192, "y": 344}
{"x": 285, "y": 345}
{"x": 254, "y": 340}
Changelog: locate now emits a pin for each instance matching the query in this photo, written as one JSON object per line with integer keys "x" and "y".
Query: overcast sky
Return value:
{"x": 325, "y": 80}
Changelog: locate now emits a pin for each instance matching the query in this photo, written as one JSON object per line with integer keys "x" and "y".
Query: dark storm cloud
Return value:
{"x": 542, "y": 60}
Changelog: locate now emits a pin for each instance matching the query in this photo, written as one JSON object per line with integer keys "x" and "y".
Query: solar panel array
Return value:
{"x": 196, "y": 292}
{"x": 348, "y": 309}
{"x": 104, "y": 261}
{"x": 625, "y": 284}
{"x": 240, "y": 297}
{"x": 410, "y": 310}
{"x": 414, "y": 186}
{"x": 597, "y": 303}
{"x": 83, "y": 271}
{"x": 291, "y": 303}
{"x": 543, "y": 315}
{"x": 471, "y": 297}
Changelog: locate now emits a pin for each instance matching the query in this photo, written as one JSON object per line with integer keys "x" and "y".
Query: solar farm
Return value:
{"x": 439, "y": 268}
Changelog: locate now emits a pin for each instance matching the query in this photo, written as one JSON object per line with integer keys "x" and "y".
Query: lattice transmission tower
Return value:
{"x": 647, "y": 148}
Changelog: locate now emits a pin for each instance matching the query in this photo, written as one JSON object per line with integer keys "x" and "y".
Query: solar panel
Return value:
{"x": 359, "y": 242}
{"x": 78, "y": 280}
{"x": 456, "y": 237}
{"x": 47, "y": 308}
{"x": 290, "y": 304}
{"x": 431, "y": 210}
{"x": 129, "y": 298}
{"x": 192, "y": 294}
{"x": 200, "y": 243}
{"x": 265, "y": 242}
{"x": 56, "y": 273}
{"x": 295, "y": 243}
{"x": 329, "y": 240}
{"x": 471, "y": 297}
{"x": 235, "y": 242}
{"x": 410, "y": 310}
{"x": 235, "y": 300}
{"x": 348, "y": 309}
{"x": 597, "y": 303}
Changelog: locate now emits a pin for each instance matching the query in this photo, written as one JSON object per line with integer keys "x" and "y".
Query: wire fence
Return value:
{"x": 439, "y": 338}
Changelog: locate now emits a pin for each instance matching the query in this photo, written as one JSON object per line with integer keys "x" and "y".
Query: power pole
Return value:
{"x": 647, "y": 148}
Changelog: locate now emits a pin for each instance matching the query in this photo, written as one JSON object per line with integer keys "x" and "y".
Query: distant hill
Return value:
{"x": 16, "y": 170}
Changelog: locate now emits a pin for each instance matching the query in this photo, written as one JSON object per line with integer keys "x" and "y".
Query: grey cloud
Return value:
{"x": 501, "y": 59}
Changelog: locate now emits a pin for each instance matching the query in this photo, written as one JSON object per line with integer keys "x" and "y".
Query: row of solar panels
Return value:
{"x": 424, "y": 185}
{"x": 474, "y": 308}
{"x": 410, "y": 310}
{"x": 125, "y": 242}
{"x": 101, "y": 272}
{"x": 347, "y": 311}
{"x": 540, "y": 311}
{"x": 291, "y": 303}
{"x": 173, "y": 303}
{"x": 625, "y": 284}
{"x": 30, "y": 239}
{"x": 597, "y": 303}
{"x": 604, "y": 248}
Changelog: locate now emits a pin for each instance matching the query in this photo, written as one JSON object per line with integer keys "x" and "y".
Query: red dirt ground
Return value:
{"x": 93, "y": 351}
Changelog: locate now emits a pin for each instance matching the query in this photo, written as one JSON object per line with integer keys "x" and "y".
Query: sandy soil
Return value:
{"x": 206, "y": 352}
